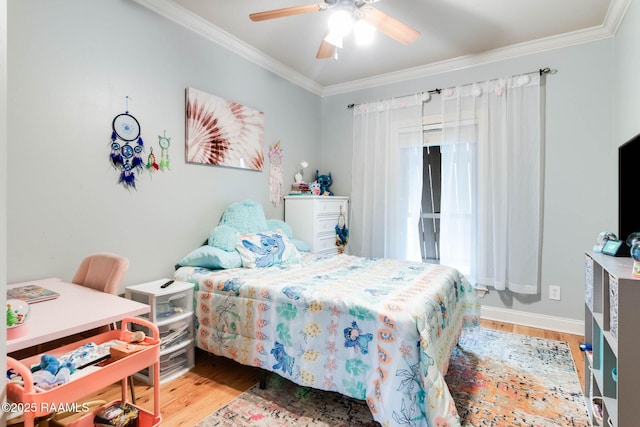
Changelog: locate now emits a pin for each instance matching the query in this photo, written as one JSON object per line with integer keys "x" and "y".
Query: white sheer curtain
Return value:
{"x": 492, "y": 159}
{"x": 386, "y": 183}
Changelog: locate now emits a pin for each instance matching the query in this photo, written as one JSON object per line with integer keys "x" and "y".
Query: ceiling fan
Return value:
{"x": 357, "y": 12}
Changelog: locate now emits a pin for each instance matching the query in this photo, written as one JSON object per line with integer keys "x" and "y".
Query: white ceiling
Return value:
{"x": 453, "y": 33}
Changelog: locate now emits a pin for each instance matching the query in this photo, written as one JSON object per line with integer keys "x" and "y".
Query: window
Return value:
{"x": 429, "y": 227}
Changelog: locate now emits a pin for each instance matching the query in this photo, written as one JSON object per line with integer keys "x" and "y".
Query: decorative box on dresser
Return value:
{"x": 171, "y": 310}
{"x": 314, "y": 218}
{"x": 612, "y": 322}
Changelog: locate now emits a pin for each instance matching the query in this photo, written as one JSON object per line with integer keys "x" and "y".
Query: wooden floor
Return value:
{"x": 215, "y": 381}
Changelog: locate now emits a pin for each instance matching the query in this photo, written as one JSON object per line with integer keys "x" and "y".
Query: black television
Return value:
{"x": 628, "y": 168}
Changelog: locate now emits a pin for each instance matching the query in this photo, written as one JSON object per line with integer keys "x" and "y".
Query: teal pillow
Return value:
{"x": 211, "y": 257}
{"x": 301, "y": 245}
{"x": 245, "y": 217}
{"x": 223, "y": 237}
{"x": 278, "y": 224}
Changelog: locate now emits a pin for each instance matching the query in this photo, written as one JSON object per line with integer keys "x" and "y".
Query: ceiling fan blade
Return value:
{"x": 392, "y": 27}
{"x": 287, "y": 11}
{"x": 326, "y": 50}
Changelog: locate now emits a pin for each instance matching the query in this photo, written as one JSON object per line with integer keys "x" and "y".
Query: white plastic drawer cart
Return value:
{"x": 172, "y": 312}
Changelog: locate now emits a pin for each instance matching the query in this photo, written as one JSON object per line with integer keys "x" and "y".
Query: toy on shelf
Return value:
{"x": 633, "y": 241}
{"x": 603, "y": 238}
{"x": 325, "y": 182}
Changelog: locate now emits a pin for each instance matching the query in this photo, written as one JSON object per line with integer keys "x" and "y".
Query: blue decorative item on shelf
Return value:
{"x": 602, "y": 240}
{"x": 614, "y": 374}
{"x": 633, "y": 241}
{"x": 325, "y": 182}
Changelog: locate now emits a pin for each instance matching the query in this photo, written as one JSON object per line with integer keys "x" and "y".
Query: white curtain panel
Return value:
{"x": 492, "y": 160}
{"x": 386, "y": 186}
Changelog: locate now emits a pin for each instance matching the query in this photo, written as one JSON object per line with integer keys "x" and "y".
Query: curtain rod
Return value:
{"x": 541, "y": 71}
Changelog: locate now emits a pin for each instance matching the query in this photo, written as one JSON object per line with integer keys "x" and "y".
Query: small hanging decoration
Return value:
{"x": 342, "y": 233}
{"x": 151, "y": 161}
{"x": 275, "y": 174}
{"x": 164, "y": 144}
{"x": 124, "y": 157}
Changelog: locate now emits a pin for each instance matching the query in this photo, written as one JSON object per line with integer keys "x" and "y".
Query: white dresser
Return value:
{"x": 314, "y": 218}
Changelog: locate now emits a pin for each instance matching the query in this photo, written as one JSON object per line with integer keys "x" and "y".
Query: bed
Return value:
{"x": 379, "y": 330}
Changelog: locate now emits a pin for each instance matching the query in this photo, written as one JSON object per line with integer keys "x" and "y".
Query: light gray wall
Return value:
{"x": 580, "y": 157}
{"x": 626, "y": 81}
{"x": 71, "y": 64}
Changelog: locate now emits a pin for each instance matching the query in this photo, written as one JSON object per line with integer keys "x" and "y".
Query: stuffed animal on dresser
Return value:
{"x": 325, "y": 182}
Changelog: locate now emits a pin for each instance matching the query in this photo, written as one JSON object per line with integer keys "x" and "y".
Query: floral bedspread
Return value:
{"x": 379, "y": 330}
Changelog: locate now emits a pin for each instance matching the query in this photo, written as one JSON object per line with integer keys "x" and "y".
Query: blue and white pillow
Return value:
{"x": 266, "y": 249}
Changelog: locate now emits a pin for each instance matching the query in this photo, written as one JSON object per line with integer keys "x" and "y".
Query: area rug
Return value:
{"x": 496, "y": 378}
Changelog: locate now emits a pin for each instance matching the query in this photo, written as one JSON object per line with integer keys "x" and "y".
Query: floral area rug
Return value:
{"x": 496, "y": 378}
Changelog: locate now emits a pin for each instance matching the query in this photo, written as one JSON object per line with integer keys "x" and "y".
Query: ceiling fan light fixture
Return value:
{"x": 334, "y": 38}
{"x": 341, "y": 22}
{"x": 363, "y": 32}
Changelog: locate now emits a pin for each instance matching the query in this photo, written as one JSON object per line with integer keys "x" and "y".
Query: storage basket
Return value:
{"x": 77, "y": 418}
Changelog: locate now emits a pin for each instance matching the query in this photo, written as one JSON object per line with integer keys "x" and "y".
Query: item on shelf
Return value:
{"x": 315, "y": 188}
{"x": 16, "y": 322}
{"x": 300, "y": 188}
{"x": 596, "y": 404}
{"x": 17, "y": 312}
{"x": 119, "y": 414}
{"x": 585, "y": 347}
{"x": 88, "y": 354}
{"x": 299, "y": 176}
{"x": 613, "y": 247}
{"x": 123, "y": 350}
{"x": 602, "y": 240}
{"x": 31, "y": 293}
{"x": 74, "y": 418}
{"x": 633, "y": 241}
{"x": 325, "y": 182}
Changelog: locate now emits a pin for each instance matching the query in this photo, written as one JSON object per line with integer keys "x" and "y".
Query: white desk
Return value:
{"x": 77, "y": 309}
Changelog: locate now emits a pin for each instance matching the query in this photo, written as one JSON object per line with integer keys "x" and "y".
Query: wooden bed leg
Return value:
{"x": 263, "y": 380}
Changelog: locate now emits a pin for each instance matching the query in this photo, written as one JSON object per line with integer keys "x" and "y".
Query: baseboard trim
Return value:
{"x": 552, "y": 323}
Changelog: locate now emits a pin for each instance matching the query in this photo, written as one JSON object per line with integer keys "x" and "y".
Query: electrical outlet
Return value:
{"x": 554, "y": 293}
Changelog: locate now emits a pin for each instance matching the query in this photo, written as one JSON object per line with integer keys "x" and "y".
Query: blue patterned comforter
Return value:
{"x": 379, "y": 330}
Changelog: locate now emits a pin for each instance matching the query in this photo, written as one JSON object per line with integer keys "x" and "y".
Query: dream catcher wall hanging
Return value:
{"x": 127, "y": 159}
{"x": 342, "y": 233}
{"x": 275, "y": 175}
{"x": 152, "y": 162}
{"x": 164, "y": 144}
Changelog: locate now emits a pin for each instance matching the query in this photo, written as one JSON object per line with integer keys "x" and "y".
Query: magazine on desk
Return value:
{"x": 31, "y": 293}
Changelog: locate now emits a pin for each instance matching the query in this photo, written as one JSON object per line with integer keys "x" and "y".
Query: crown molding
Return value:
{"x": 183, "y": 17}
{"x": 193, "y": 22}
{"x": 607, "y": 30}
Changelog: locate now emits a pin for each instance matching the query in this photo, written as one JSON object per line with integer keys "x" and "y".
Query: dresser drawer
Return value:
{"x": 327, "y": 224}
{"x": 327, "y": 244}
{"x": 331, "y": 207}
